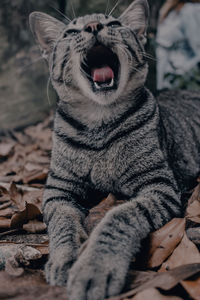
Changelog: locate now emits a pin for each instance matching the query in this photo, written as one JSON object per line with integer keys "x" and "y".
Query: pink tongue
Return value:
{"x": 102, "y": 74}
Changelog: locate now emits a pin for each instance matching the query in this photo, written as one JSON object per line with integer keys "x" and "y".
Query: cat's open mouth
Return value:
{"x": 101, "y": 68}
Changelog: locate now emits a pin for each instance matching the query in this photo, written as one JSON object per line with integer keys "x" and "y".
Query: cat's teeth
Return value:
{"x": 96, "y": 85}
{"x": 112, "y": 83}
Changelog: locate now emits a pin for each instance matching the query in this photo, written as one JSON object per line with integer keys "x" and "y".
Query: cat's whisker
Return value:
{"x": 115, "y": 6}
{"x": 72, "y": 7}
{"x": 107, "y": 7}
{"x": 48, "y": 85}
{"x": 63, "y": 15}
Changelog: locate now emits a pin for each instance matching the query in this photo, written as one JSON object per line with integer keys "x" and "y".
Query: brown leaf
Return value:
{"x": 185, "y": 253}
{"x": 43, "y": 248}
{"x": 164, "y": 241}
{"x": 163, "y": 280}
{"x": 6, "y": 212}
{"x": 4, "y": 194}
{"x": 5, "y": 205}
{"x": 6, "y": 148}
{"x": 192, "y": 287}
{"x": 35, "y": 175}
{"x": 16, "y": 196}
{"x": 4, "y": 222}
{"x": 34, "y": 197}
{"x": 12, "y": 268}
{"x": 99, "y": 211}
{"x": 34, "y": 226}
{"x": 195, "y": 195}
{"x": 193, "y": 211}
{"x": 154, "y": 294}
{"x": 29, "y": 213}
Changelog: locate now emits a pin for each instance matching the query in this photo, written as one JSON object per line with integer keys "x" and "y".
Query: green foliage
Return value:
{"x": 189, "y": 81}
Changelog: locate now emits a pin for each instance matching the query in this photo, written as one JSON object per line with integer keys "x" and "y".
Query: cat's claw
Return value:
{"x": 95, "y": 277}
{"x": 57, "y": 268}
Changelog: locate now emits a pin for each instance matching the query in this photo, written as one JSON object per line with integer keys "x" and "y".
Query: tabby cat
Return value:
{"x": 110, "y": 136}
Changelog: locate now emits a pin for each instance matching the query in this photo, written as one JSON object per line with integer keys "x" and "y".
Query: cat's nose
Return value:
{"x": 93, "y": 27}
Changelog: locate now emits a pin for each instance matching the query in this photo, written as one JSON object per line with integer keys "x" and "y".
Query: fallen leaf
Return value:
{"x": 195, "y": 195}
{"x": 6, "y": 212}
{"x": 16, "y": 196}
{"x": 35, "y": 175}
{"x": 4, "y": 222}
{"x": 192, "y": 287}
{"x": 97, "y": 213}
{"x": 163, "y": 280}
{"x": 154, "y": 294}
{"x": 29, "y": 213}
{"x": 193, "y": 212}
{"x": 6, "y": 148}
{"x": 34, "y": 226}
{"x": 185, "y": 253}
{"x": 164, "y": 241}
{"x": 194, "y": 235}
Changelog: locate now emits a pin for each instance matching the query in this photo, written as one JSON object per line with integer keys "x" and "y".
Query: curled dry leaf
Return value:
{"x": 34, "y": 226}
{"x": 16, "y": 196}
{"x": 193, "y": 211}
{"x": 185, "y": 253}
{"x": 30, "y": 212}
{"x": 6, "y": 212}
{"x": 6, "y": 148}
{"x": 4, "y": 222}
{"x": 99, "y": 211}
{"x": 163, "y": 280}
{"x": 164, "y": 241}
{"x": 196, "y": 194}
{"x": 192, "y": 287}
{"x": 153, "y": 294}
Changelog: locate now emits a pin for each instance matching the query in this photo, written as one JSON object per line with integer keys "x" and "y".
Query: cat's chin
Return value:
{"x": 102, "y": 69}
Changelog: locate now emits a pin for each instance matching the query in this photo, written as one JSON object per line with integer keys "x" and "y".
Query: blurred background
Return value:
{"x": 24, "y": 74}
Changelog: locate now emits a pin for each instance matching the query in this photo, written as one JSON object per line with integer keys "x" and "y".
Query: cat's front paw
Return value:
{"x": 57, "y": 267}
{"x": 95, "y": 276}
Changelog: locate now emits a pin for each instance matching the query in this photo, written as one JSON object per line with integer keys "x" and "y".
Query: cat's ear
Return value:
{"x": 46, "y": 30}
{"x": 136, "y": 16}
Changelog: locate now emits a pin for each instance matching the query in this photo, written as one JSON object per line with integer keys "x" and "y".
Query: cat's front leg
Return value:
{"x": 101, "y": 269}
{"x": 65, "y": 237}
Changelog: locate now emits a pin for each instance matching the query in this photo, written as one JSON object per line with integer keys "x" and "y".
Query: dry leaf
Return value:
{"x": 195, "y": 195}
{"x": 99, "y": 211}
{"x": 6, "y": 148}
{"x": 34, "y": 226}
{"x": 4, "y": 222}
{"x": 164, "y": 280}
{"x": 164, "y": 241}
{"x": 192, "y": 287}
{"x": 16, "y": 196}
{"x": 6, "y": 212}
{"x": 153, "y": 294}
{"x": 185, "y": 253}
{"x": 193, "y": 211}
{"x": 29, "y": 213}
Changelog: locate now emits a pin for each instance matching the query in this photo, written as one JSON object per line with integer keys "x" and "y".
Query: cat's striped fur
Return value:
{"x": 120, "y": 141}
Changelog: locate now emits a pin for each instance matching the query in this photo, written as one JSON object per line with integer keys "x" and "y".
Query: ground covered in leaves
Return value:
{"x": 167, "y": 268}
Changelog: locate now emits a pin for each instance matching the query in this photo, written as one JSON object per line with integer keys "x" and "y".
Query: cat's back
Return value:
{"x": 180, "y": 117}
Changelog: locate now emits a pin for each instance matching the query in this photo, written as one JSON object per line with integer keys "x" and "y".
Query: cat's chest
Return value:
{"x": 104, "y": 170}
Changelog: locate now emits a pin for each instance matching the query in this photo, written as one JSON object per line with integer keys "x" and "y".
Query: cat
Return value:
{"x": 110, "y": 136}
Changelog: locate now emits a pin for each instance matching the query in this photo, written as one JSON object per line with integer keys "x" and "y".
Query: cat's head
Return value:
{"x": 96, "y": 56}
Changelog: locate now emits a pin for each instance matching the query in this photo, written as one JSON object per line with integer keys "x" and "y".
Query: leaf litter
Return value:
{"x": 172, "y": 266}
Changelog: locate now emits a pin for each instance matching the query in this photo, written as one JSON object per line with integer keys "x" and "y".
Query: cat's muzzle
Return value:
{"x": 101, "y": 68}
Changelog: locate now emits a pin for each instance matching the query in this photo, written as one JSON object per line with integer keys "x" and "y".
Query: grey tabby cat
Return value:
{"x": 110, "y": 136}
